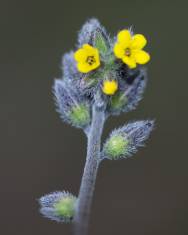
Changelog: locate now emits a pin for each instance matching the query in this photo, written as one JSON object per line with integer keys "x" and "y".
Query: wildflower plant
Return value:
{"x": 104, "y": 76}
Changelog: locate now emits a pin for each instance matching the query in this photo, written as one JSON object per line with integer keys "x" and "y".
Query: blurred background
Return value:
{"x": 144, "y": 195}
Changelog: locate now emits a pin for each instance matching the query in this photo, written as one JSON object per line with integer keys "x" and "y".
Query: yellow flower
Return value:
{"x": 109, "y": 87}
{"x": 129, "y": 48}
{"x": 87, "y": 58}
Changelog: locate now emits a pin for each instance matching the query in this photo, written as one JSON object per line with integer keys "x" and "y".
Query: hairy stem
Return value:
{"x": 81, "y": 218}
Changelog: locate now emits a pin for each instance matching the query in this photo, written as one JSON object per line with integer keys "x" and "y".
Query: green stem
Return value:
{"x": 81, "y": 218}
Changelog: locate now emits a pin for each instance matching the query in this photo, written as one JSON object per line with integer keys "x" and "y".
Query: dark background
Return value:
{"x": 144, "y": 195}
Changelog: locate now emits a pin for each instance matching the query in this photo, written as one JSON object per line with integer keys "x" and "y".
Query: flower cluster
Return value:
{"x": 127, "y": 48}
{"x": 101, "y": 66}
{"x": 103, "y": 76}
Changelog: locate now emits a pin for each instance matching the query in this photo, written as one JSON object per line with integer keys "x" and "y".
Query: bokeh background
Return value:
{"x": 144, "y": 195}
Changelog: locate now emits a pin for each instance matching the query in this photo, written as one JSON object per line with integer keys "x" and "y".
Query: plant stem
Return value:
{"x": 81, "y": 218}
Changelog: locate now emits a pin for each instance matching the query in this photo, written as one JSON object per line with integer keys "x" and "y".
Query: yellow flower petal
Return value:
{"x": 129, "y": 61}
{"x": 138, "y": 41}
{"x": 95, "y": 65}
{"x": 124, "y": 37}
{"x": 91, "y": 51}
{"x": 119, "y": 51}
{"x": 88, "y": 47}
{"x": 80, "y": 55}
{"x": 84, "y": 67}
{"x": 109, "y": 87}
{"x": 141, "y": 57}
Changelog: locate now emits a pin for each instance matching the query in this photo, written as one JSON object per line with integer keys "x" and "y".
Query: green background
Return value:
{"x": 144, "y": 195}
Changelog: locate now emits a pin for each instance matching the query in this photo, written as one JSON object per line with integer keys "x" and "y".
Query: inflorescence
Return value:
{"x": 102, "y": 70}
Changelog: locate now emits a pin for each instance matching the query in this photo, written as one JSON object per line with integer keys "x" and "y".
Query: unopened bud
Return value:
{"x": 125, "y": 141}
{"x": 58, "y": 206}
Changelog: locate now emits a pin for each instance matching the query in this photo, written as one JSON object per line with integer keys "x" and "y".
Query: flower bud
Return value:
{"x": 137, "y": 84}
{"x": 72, "y": 108}
{"x": 58, "y": 206}
{"x": 117, "y": 102}
{"x": 70, "y": 72}
{"x": 116, "y": 146}
{"x": 91, "y": 30}
{"x": 79, "y": 115}
{"x": 131, "y": 88}
{"x": 101, "y": 41}
{"x": 109, "y": 87}
{"x": 125, "y": 141}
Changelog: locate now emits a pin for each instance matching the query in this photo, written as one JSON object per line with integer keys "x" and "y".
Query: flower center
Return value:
{"x": 127, "y": 51}
{"x": 90, "y": 60}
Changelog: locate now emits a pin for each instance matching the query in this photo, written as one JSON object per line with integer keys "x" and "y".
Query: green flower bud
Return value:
{"x": 65, "y": 207}
{"x": 58, "y": 206}
{"x": 80, "y": 115}
{"x": 115, "y": 147}
{"x": 117, "y": 102}
{"x": 71, "y": 106}
{"x": 125, "y": 141}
